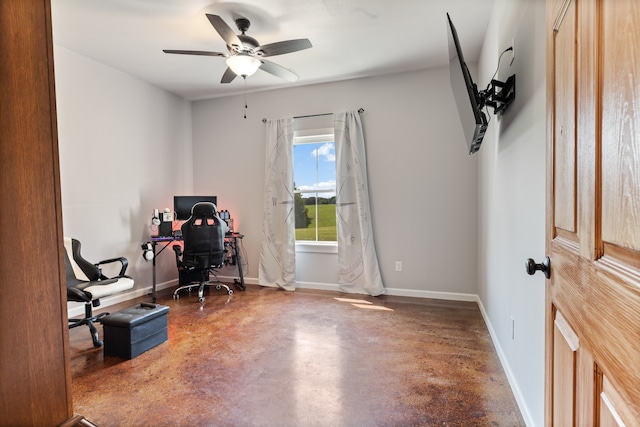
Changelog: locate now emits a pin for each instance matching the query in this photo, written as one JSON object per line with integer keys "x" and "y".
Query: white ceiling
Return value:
{"x": 351, "y": 38}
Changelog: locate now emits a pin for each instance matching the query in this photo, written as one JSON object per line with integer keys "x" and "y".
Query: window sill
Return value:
{"x": 317, "y": 247}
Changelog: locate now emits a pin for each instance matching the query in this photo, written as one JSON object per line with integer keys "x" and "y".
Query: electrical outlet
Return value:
{"x": 398, "y": 265}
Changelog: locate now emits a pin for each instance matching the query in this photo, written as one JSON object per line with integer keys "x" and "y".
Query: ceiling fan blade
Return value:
{"x": 280, "y": 48}
{"x": 194, "y": 52}
{"x": 278, "y": 70}
{"x": 227, "y": 34}
{"x": 228, "y": 76}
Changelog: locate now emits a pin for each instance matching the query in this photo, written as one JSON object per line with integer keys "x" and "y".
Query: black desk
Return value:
{"x": 231, "y": 239}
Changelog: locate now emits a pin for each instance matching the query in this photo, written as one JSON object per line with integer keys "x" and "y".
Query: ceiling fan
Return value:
{"x": 245, "y": 54}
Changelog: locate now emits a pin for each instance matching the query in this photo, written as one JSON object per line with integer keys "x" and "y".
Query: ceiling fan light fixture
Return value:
{"x": 243, "y": 64}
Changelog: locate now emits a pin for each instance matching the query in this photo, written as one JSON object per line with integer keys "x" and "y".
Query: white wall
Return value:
{"x": 512, "y": 202}
{"x": 125, "y": 149}
{"x": 422, "y": 182}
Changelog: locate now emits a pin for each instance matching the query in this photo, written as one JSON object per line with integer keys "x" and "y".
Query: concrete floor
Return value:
{"x": 267, "y": 357}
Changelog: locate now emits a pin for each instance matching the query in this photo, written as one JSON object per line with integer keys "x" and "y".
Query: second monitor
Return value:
{"x": 182, "y": 205}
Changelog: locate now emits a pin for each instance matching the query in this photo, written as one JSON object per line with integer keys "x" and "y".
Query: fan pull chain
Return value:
{"x": 245, "y": 97}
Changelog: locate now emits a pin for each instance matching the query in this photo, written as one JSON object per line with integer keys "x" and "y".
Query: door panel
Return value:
{"x": 565, "y": 131}
{"x": 593, "y": 213}
{"x": 621, "y": 125}
{"x": 610, "y": 405}
{"x": 565, "y": 347}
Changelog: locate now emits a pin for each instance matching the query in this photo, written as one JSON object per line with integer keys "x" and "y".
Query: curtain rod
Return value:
{"x": 361, "y": 110}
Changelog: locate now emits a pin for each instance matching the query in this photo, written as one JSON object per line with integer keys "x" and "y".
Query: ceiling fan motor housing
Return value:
{"x": 248, "y": 43}
{"x": 243, "y": 51}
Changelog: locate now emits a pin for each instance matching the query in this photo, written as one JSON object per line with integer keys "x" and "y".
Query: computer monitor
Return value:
{"x": 182, "y": 205}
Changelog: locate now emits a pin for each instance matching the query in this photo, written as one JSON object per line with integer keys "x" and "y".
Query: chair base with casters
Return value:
{"x": 87, "y": 284}
{"x": 196, "y": 278}
{"x": 89, "y": 320}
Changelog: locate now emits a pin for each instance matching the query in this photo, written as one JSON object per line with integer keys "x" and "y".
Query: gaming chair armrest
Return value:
{"x": 178, "y": 250}
{"x": 78, "y": 295}
{"x": 122, "y": 260}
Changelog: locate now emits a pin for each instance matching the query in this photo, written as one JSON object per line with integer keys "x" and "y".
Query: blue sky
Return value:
{"x": 304, "y": 166}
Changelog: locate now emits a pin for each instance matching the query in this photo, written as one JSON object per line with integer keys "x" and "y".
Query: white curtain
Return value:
{"x": 358, "y": 269}
{"x": 277, "y": 258}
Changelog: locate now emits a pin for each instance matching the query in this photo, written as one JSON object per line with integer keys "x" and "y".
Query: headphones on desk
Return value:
{"x": 147, "y": 251}
{"x": 155, "y": 220}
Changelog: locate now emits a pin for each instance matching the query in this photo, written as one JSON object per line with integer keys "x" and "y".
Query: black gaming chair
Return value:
{"x": 87, "y": 284}
{"x": 204, "y": 250}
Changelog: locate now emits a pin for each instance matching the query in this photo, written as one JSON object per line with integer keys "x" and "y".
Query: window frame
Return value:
{"x": 315, "y": 136}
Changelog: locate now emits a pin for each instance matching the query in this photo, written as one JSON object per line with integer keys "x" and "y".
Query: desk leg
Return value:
{"x": 153, "y": 288}
{"x": 239, "y": 284}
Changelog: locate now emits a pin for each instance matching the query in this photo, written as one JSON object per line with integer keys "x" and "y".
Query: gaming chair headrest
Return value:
{"x": 204, "y": 209}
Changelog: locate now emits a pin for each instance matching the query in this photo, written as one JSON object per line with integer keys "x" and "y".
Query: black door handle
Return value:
{"x": 545, "y": 267}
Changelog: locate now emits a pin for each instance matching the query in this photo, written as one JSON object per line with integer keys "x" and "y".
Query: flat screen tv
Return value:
{"x": 182, "y": 205}
{"x": 465, "y": 92}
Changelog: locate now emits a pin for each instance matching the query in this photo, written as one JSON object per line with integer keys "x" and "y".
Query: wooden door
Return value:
{"x": 35, "y": 379}
{"x": 593, "y": 213}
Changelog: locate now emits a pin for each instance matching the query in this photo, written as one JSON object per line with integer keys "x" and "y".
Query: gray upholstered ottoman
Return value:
{"x": 132, "y": 331}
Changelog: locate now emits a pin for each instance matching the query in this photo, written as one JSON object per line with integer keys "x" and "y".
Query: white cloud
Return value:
{"x": 326, "y": 185}
{"x": 326, "y": 152}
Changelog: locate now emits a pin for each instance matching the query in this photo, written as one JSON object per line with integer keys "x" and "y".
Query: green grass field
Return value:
{"x": 326, "y": 224}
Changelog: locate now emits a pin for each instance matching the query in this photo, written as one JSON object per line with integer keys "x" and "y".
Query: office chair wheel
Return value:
{"x": 97, "y": 342}
{"x": 176, "y": 296}
{"x": 230, "y": 292}
{"x": 201, "y": 299}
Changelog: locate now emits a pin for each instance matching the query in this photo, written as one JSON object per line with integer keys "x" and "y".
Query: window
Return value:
{"x": 314, "y": 174}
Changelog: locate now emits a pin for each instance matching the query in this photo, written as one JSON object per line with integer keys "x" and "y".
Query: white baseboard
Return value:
{"x": 451, "y": 296}
{"x": 76, "y": 309}
{"x": 319, "y": 286}
{"x": 414, "y": 293}
{"x": 515, "y": 388}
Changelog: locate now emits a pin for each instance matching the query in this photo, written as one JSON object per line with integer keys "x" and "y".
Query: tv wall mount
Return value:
{"x": 499, "y": 95}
